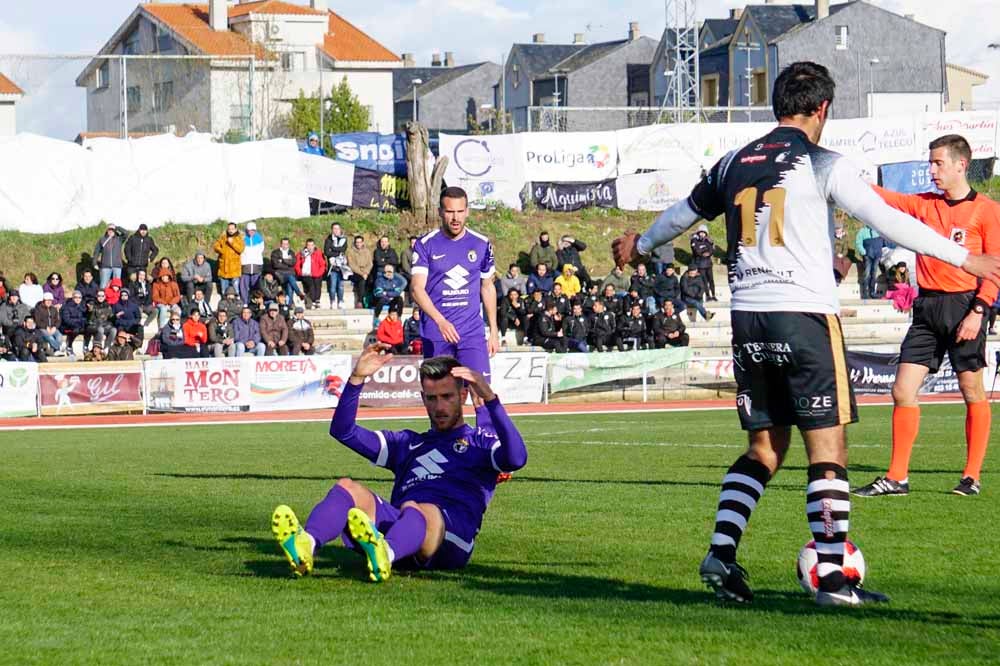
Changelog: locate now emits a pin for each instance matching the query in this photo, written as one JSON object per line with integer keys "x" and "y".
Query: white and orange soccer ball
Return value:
{"x": 854, "y": 566}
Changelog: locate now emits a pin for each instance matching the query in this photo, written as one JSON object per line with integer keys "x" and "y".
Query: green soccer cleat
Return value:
{"x": 297, "y": 544}
{"x": 367, "y": 536}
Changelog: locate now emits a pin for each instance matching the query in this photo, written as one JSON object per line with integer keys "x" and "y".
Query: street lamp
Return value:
{"x": 871, "y": 86}
{"x": 488, "y": 108}
{"x": 415, "y": 82}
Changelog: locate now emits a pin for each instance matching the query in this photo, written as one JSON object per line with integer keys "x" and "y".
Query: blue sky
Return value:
{"x": 474, "y": 29}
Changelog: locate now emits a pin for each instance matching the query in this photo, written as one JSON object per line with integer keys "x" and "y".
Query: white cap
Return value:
{"x": 46, "y": 296}
{"x": 251, "y": 226}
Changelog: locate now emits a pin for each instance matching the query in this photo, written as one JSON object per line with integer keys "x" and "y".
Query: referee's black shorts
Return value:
{"x": 791, "y": 370}
{"x": 936, "y": 317}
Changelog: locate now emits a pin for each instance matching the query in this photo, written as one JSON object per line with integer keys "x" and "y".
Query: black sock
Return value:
{"x": 828, "y": 509}
{"x": 742, "y": 488}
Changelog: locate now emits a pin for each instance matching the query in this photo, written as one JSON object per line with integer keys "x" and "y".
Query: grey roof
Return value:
{"x": 402, "y": 79}
{"x": 442, "y": 77}
{"x": 537, "y": 59}
{"x": 588, "y": 54}
{"x": 775, "y": 20}
{"x": 721, "y": 28}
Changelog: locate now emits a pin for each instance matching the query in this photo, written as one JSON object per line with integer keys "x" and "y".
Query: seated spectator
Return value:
{"x": 121, "y": 349}
{"x": 283, "y": 260}
{"x": 382, "y": 256}
{"x": 541, "y": 280}
{"x": 563, "y": 305}
{"x": 667, "y": 328}
{"x": 612, "y": 301}
{"x": 112, "y": 291}
{"x": 87, "y": 287}
{"x": 284, "y": 309}
{"x": 411, "y": 333}
{"x": 171, "y": 338}
{"x": 576, "y": 330}
{"x": 390, "y": 332}
{"x": 632, "y": 330}
{"x": 31, "y": 292}
{"x": 642, "y": 282}
{"x": 12, "y": 313}
{"x": 231, "y": 304}
{"x": 603, "y": 328}
{"x": 310, "y": 266}
{"x": 389, "y": 288}
{"x": 257, "y": 305}
{"x": 841, "y": 248}
{"x": 4, "y": 289}
{"x": 100, "y": 323}
{"x": 542, "y": 252}
{"x": 196, "y": 334}
{"x": 534, "y": 308}
{"x": 221, "y": 336}
{"x": 197, "y": 272}
{"x": 28, "y": 342}
{"x": 274, "y": 332}
{"x": 164, "y": 265}
{"x": 513, "y": 280}
{"x": 592, "y": 295}
{"x": 54, "y": 286}
{"x": 512, "y": 315}
{"x": 197, "y": 302}
{"x": 301, "y": 337}
{"x": 693, "y": 293}
{"x": 630, "y": 299}
{"x": 898, "y": 287}
{"x": 47, "y": 321}
{"x": 549, "y": 334}
{"x": 666, "y": 287}
{"x": 6, "y": 348}
{"x": 74, "y": 320}
{"x": 142, "y": 295}
{"x": 128, "y": 317}
{"x": 568, "y": 281}
{"x": 270, "y": 287}
{"x": 569, "y": 253}
{"x": 165, "y": 294}
{"x": 618, "y": 281}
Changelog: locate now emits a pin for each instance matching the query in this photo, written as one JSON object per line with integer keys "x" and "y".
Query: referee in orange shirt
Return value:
{"x": 948, "y": 315}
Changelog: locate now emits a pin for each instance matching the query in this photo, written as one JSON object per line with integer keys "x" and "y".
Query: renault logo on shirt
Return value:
{"x": 456, "y": 278}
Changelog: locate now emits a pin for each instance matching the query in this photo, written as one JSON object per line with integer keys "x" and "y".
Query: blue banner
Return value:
{"x": 385, "y": 153}
{"x": 907, "y": 177}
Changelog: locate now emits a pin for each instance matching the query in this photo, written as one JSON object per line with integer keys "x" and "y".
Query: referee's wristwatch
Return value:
{"x": 979, "y": 307}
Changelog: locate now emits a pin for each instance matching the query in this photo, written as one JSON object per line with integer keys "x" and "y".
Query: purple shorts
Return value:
{"x": 469, "y": 352}
{"x": 455, "y": 551}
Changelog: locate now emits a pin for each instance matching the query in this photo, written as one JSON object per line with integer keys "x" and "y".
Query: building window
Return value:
{"x": 164, "y": 42}
{"x": 103, "y": 75}
{"x": 133, "y": 95}
{"x": 516, "y": 75}
{"x": 132, "y": 43}
{"x": 710, "y": 90}
{"x": 841, "y": 37}
{"x": 287, "y": 61}
{"x": 163, "y": 96}
{"x": 239, "y": 118}
{"x": 759, "y": 96}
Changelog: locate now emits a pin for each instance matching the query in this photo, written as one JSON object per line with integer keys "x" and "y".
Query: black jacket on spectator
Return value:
{"x": 380, "y": 258}
{"x": 533, "y": 311}
{"x": 187, "y": 304}
{"x": 643, "y": 284}
{"x": 88, "y": 291}
{"x": 701, "y": 252}
{"x": 693, "y": 287}
{"x": 512, "y": 317}
{"x": 613, "y": 305}
{"x": 411, "y": 331}
{"x": 603, "y": 330}
{"x": 548, "y": 333}
{"x": 630, "y": 328}
{"x": 563, "y": 305}
{"x": 22, "y": 341}
{"x": 270, "y": 289}
{"x": 46, "y": 316}
{"x": 571, "y": 255}
{"x": 332, "y": 247}
{"x": 74, "y": 316}
{"x": 664, "y": 325}
{"x": 99, "y": 314}
{"x": 108, "y": 251}
{"x": 576, "y": 328}
{"x": 6, "y": 348}
{"x": 139, "y": 293}
{"x": 139, "y": 251}
{"x": 282, "y": 265}
{"x": 131, "y": 315}
{"x": 666, "y": 288}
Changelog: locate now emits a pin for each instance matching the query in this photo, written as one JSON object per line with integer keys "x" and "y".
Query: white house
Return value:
{"x": 10, "y": 95}
{"x": 273, "y": 48}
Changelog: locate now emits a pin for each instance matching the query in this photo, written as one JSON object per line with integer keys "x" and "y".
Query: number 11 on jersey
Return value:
{"x": 747, "y": 201}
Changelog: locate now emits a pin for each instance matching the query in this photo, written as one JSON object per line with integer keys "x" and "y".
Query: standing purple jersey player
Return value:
{"x": 444, "y": 478}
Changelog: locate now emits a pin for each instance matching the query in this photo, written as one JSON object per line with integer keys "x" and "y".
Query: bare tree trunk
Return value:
{"x": 416, "y": 169}
{"x": 436, "y": 180}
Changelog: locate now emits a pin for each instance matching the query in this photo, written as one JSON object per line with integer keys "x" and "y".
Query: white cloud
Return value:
{"x": 488, "y": 9}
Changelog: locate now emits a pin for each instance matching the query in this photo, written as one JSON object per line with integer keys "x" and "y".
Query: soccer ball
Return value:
{"x": 854, "y": 566}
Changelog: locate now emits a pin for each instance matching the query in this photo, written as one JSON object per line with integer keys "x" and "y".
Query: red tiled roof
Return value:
{"x": 8, "y": 87}
{"x": 190, "y": 22}
{"x": 343, "y": 41}
{"x": 271, "y": 7}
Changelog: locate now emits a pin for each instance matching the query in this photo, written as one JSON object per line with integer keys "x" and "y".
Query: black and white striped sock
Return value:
{"x": 828, "y": 509}
{"x": 742, "y": 488}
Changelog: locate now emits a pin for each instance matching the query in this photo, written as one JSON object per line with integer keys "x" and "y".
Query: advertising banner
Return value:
{"x": 296, "y": 382}
{"x": 396, "y": 384}
{"x": 569, "y": 157}
{"x": 489, "y": 168}
{"x": 385, "y": 153}
{"x": 717, "y": 139}
{"x": 197, "y": 385}
{"x": 384, "y": 191}
{"x": 655, "y": 191}
{"x": 18, "y": 389}
{"x": 659, "y": 148}
{"x": 978, "y": 127}
{"x": 875, "y": 140}
{"x": 570, "y": 371}
{"x": 519, "y": 377}
{"x": 907, "y": 177}
{"x": 90, "y": 388}
{"x": 873, "y": 374}
{"x": 566, "y": 197}
{"x": 328, "y": 180}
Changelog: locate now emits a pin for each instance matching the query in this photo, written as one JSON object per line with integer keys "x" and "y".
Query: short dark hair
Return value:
{"x": 956, "y": 144}
{"x": 438, "y": 367}
{"x": 359, "y": 237}
{"x": 309, "y": 240}
{"x": 286, "y": 238}
{"x": 452, "y": 193}
{"x": 801, "y": 89}
{"x": 194, "y": 311}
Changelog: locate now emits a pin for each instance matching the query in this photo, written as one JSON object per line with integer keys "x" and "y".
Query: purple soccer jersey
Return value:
{"x": 454, "y": 269}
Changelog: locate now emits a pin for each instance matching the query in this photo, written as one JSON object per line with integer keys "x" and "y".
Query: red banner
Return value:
{"x": 90, "y": 388}
{"x": 396, "y": 384}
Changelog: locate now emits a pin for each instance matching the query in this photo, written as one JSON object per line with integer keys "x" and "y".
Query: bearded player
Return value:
{"x": 948, "y": 316}
{"x": 777, "y": 195}
{"x": 445, "y": 477}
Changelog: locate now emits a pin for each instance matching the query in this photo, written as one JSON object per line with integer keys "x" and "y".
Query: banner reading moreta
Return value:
{"x": 296, "y": 382}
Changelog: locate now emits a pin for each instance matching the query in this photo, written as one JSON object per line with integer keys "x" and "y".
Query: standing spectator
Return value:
{"x": 603, "y": 328}
{"x": 667, "y": 328}
{"x": 411, "y": 332}
{"x": 693, "y": 292}
{"x": 122, "y": 349}
{"x": 863, "y": 240}
{"x": 140, "y": 251}
{"x": 382, "y": 256}
{"x": 661, "y": 256}
{"x": 313, "y": 147}
{"x": 171, "y": 337}
{"x": 274, "y": 332}
{"x": 569, "y": 253}
{"x": 197, "y": 273}
{"x": 221, "y": 336}
{"x": 512, "y": 315}
{"x": 568, "y": 280}
{"x": 88, "y": 286}
{"x": 231, "y": 304}
{"x": 541, "y": 280}
{"x": 335, "y": 251}
{"x": 251, "y": 259}
{"x": 229, "y": 246}
{"x": 389, "y": 288}
{"x": 100, "y": 323}
{"x": 128, "y": 317}
{"x": 542, "y": 252}
{"x": 841, "y": 247}
{"x": 666, "y": 287}
{"x": 406, "y": 260}
{"x": 165, "y": 295}
{"x": 301, "y": 337}
{"x": 28, "y": 342}
{"x": 576, "y": 330}
{"x": 310, "y": 265}
{"x": 74, "y": 320}
{"x": 31, "y": 292}
{"x": 196, "y": 334}
{"x": 4, "y": 289}
{"x": 270, "y": 287}
{"x": 108, "y": 254}
{"x": 617, "y": 279}
{"x": 612, "y": 301}
{"x": 390, "y": 332}
{"x": 247, "y": 334}
{"x": 54, "y": 285}
{"x": 642, "y": 282}
{"x": 359, "y": 260}
{"x": 702, "y": 249}
{"x": 549, "y": 334}
{"x": 514, "y": 280}
{"x": 12, "y": 313}
{"x": 142, "y": 295}
{"x": 163, "y": 265}
{"x": 632, "y": 330}
{"x": 283, "y": 264}
{"x": 46, "y": 316}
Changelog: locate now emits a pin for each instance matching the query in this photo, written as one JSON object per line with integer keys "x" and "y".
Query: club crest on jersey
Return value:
{"x": 958, "y": 236}
{"x": 461, "y": 445}
{"x": 415, "y": 258}
{"x": 472, "y": 255}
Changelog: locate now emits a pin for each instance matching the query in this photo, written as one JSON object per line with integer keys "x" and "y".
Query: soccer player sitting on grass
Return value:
{"x": 445, "y": 477}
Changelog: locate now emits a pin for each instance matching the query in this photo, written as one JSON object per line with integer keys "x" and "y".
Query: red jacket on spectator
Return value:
{"x": 390, "y": 332}
{"x": 195, "y": 333}
{"x": 318, "y": 263}
{"x": 113, "y": 289}
{"x": 165, "y": 293}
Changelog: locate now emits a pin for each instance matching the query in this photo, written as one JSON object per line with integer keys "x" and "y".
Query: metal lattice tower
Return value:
{"x": 682, "y": 101}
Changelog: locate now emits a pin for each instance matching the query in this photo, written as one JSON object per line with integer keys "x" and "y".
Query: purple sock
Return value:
{"x": 329, "y": 518}
{"x": 407, "y": 534}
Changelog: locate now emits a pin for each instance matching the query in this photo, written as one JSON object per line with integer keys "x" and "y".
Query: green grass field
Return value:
{"x": 152, "y": 545}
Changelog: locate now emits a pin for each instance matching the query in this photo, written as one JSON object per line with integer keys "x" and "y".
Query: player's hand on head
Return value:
{"x": 986, "y": 266}
{"x": 477, "y": 383}
{"x": 372, "y": 359}
{"x": 625, "y": 249}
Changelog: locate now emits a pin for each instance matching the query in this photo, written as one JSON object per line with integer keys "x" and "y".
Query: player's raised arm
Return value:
{"x": 510, "y": 453}
{"x": 343, "y": 426}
